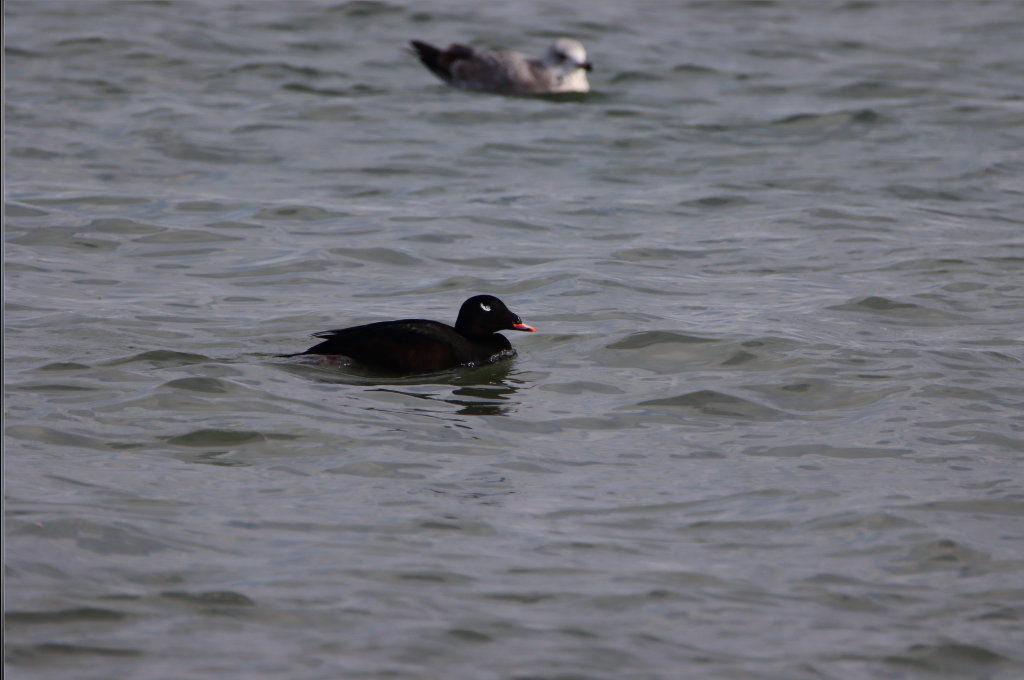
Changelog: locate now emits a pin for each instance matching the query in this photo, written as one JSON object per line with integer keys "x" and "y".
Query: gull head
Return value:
{"x": 567, "y": 55}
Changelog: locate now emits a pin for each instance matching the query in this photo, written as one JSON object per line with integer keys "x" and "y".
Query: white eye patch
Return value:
{"x": 484, "y": 307}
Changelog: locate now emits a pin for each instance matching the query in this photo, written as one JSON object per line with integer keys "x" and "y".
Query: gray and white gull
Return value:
{"x": 562, "y": 69}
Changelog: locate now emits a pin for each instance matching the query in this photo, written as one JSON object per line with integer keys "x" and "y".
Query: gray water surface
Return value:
{"x": 770, "y": 426}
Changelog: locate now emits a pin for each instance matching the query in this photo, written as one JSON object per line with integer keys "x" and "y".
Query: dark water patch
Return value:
{"x": 975, "y": 507}
{"x": 51, "y": 436}
{"x": 211, "y": 437}
{"x": 626, "y": 285}
{"x": 875, "y": 303}
{"x": 580, "y": 387}
{"x": 699, "y": 455}
{"x": 1009, "y": 260}
{"x": 91, "y": 201}
{"x": 91, "y": 536}
{"x": 401, "y": 171}
{"x": 440, "y": 239}
{"x": 366, "y": 9}
{"x": 739, "y": 358}
{"x": 505, "y": 223}
{"x": 870, "y": 117}
{"x": 378, "y": 255}
{"x": 415, "y": 578}
{"x": 18, "y": 52}
{"x": 997, "y": 595}
{"x": 899, "y": 312}
{"x": 277, "y": 70}
{"x": 661, "y": 352}
{"x": 53, "y": 387}
{"x": 808, "y": 122}
{"x": 830, "y": 579}
{"x": 969, "y": 437}
{"x": 369, "y": 468}
{"x": 825, "y": 450}
{"x": 31, "y": 153}
{"x": 20, "y": 210}
{"x": 468, "y": 528}
{"x": 203, "y": 385}
{"x": 599, "y": 316}
{"x": 757, "y": 526}
{"x": 219, "y": 459}
{"x": 716, "y": 404}
{"x": 180, "y": 148}
{"x": 525, "y": 467}
{"x": 629, "y": 509}
{"x": 571, "y": 97}
{"x": 482, "y": 119}
{"x": 62, "y": 237}
{"x": 660, "y": 597}
{"x": 850, "y": 603}
{"x": 583, "y": 549}
{"x": 463, "y": 635}
{"x": 815, "y": 394}
{"x": 949, "y": 659}
{"x": 649, "y": 338}
{"x": 514, "y": 149}
{"x": 716, "y": 202}
{"x": 915, "y": 193}
{"x": 878, "y": 89}
{"x": 358, "y": 90}
{"x": 340, "y": 113}
{"x": 624, "y": 113}
{"x": 878, "y": 521}
{"x": 635, "y": 77}
{"x": 189, "y": 207}
{"x": 50, "y": 652}
{"x": 932, "y": 265}
{"x": 70, "y": 616}
{"x": 853, "y": 217}
{"x": 990, "y": 439}
{"x": 18, "y": 267}
{"x": 261, "y": 273}
{"x": 684, "y": 579}
{"x": 475, "y": 285}
{"x": 298, "y": 213}
{"x": 217, "y": 598}
{"x": 498, "y": 262}
{"x": 161, "y": 358}
{"x": 949, "y": 392}
{"x": 177, "y": 236}
{"x": 964, "y": 287}
{"x": 1000, "y": 614}
{"x": 655, "y": 254}
{"x": 194, "y": 253}
{"x": 695, "y": 69}
{"x": 64, "y": 366}
{"x": 940, "y": 555}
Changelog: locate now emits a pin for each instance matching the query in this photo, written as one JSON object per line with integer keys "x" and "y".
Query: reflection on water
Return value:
{"x": 483, "y": 391}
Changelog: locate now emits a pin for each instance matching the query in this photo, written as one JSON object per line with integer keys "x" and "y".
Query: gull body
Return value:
{"x": 562, "y": 69}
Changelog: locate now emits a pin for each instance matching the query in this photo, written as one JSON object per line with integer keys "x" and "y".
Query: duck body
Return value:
{"x": 414, "y": 346}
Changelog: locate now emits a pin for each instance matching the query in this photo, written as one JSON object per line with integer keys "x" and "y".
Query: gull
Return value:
{"x": 562, "y": 69}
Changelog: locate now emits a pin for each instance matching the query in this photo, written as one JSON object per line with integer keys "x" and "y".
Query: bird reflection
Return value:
{"x": 489, "y": 387}
{"x": 484, "y": 391}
